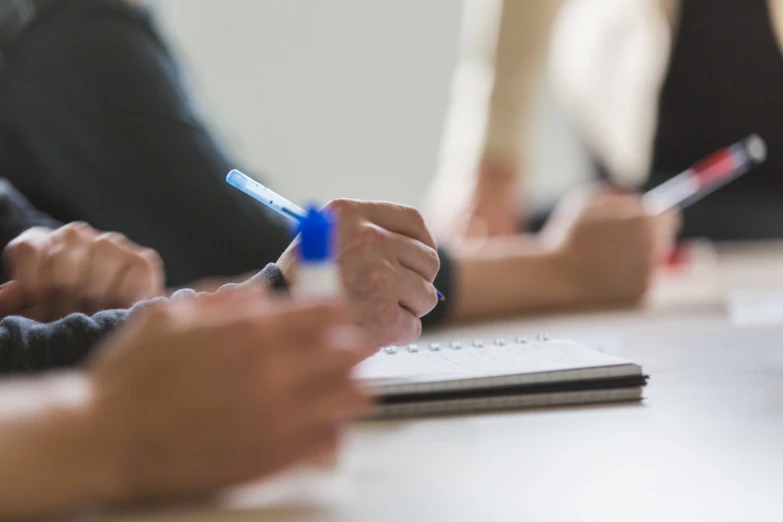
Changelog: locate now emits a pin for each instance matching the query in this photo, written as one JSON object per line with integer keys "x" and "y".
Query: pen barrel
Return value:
{"x": 318, "y": 281}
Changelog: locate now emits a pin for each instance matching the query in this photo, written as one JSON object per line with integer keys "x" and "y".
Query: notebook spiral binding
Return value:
{"x": 457, "y": 345}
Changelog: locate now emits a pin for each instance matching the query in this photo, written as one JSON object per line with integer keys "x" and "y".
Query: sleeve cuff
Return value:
{"x": 273, "y": 277}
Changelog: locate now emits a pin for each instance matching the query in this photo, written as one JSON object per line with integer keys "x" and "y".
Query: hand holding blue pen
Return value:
{"x": 271, "y": 199}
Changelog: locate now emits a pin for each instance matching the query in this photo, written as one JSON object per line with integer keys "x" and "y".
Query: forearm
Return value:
{"x": 520, "y": 47}
{"x": 52, "y": 463}
{"x": 503, "y": 44}
{"x": 509, "y": 276}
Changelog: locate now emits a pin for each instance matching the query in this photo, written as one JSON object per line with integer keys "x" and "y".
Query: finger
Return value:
{"x": 399, "y": 219}
{"x": 67, "y": 260}
{"x": 339, "y": 349}
{"x": 234, "y": 312}
{"x": 408, "y": 328}
{"x": 252, "y": 291}
{"x": 13, "y": 299}
{"x": 323, "y": 370}
{"x": 63, "y": 272}
{"x": 414, "y": 293}
{"x": 107, "y": 266}
{"x": 416, "y": 256}
{"x": 290, "y": 328}
{"x": 23, "y": 257}
{"x": 138, "y": 280}
{"x": 325, "y": 385}
{"x": 338, "y": 401}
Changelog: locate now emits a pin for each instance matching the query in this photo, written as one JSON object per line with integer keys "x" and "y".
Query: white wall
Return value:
{"x": 328, "y": 98}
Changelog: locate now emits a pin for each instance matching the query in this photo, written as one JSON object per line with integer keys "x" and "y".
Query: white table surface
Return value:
{"x": 706, "y": 444}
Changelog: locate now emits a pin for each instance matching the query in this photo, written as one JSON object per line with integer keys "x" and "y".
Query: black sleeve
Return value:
{"x": 17, "y": 214}
{"x": 444, "y": 282}
{"x": 111, "y": 137}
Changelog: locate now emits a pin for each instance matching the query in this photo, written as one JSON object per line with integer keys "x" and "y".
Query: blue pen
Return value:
{"x": 272, "y": 199}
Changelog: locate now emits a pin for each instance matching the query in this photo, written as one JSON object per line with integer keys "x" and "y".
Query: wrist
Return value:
{"x": 497, "y": 171}
{"x": 509, "y": 275}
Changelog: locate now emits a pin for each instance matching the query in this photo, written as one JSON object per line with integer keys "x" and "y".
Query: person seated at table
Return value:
{"x": 125, "y": 132}
{"x": 651, "y": 87}
{"x": 145, "y": 420}
{"x": 601, "y": 248}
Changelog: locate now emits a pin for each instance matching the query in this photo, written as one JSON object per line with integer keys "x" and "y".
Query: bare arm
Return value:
{"x": 503, "y": 44}
{"x": 525, "y": 277}
{"x": 523, "y": 30}
{"x": 596, "y": 250}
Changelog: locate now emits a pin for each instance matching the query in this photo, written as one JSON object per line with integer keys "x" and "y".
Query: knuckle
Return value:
{"x": 111, "y": 238}
{"x": 105, "y": 243}
{"x": 382, "y": 278}
{"x": 22, "y": 248}
{"x": 413, "y": 214}
{"x": 408, "y": 330}
{"x": 341, "y": 205}
{"x": 387, "y": 313}
{"x": 71, "y": 233}
{"x": 370, "y": 235}
{"x": 148, "y": 259}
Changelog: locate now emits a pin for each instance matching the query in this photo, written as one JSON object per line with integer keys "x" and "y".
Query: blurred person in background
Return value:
{"x": 96, "y": 125}
{"x": 651, "y": 85}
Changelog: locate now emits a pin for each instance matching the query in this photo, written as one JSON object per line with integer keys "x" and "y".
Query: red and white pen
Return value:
{"x": 709, "y": 174}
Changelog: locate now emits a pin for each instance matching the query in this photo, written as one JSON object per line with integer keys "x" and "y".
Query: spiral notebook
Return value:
{"x": 478, "y": 375}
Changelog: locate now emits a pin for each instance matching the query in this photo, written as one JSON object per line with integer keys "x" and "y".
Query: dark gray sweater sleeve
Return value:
{"x": 27, "y": 346}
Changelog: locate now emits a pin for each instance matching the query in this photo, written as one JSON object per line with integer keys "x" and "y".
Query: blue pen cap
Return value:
{"x": 316, "y": 235}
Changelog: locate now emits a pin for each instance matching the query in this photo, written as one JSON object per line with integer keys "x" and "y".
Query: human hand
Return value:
{"x": 204, "y": 393}
{"x": 76, "y": 269}
{"x": 607, "y": 245}
{"x": 388, "y": 261}
{"x": 483, "y": 203}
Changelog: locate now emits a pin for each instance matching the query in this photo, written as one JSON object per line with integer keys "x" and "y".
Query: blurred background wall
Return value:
{"x": 328, "y": 98}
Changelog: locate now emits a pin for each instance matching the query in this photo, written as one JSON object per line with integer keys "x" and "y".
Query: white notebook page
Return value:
{"x": 404, "y": 367}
